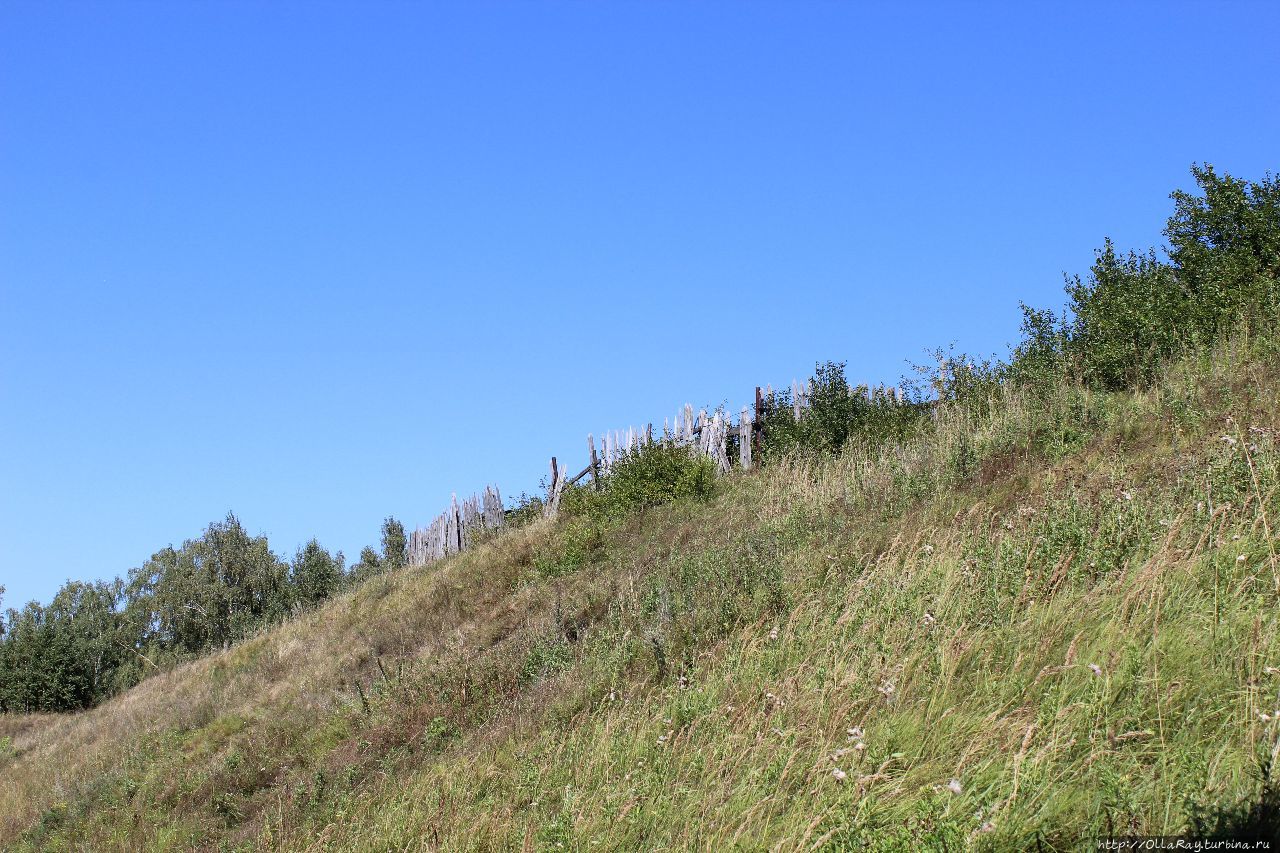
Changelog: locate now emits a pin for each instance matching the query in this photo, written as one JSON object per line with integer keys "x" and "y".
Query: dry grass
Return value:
{"x": 1046, "y": 605}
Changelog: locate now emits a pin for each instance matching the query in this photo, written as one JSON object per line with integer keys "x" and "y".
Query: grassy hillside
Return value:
{"x": 1046, "y": 617}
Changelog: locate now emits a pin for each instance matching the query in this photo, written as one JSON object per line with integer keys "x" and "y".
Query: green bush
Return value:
{"x": 1134, "y": 311}
{"x": 837, "y": 415}
{"x": 653, "y": 475}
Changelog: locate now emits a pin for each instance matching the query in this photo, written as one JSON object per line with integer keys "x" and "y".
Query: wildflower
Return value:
{"x": 1264, "y": 717}
{"x": 1271, "y": 670}
{"x": 1095, "y": 669}
{"x": 1229, "y": 441}
{"x": 839, "y": 775}
{"x": 928, "y": 618}
{"x": 887, "y": 690}
{"x": 854, "y": 733}
{"x": 928, "y": 549}
{"x": 859, "y": 746}
{"x": 987, "y": 827}
{"x": 1241, "y": 558}
{"x": 954, "y": 786}
{"x": 684, "y": 682}
{"x": 1235, "y": 538}
{"x": 1127, "y": 495}
{"x": 773, "y": 634}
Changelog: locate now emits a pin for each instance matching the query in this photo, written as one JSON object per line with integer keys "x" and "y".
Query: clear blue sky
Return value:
{"x": 319, "y": 263}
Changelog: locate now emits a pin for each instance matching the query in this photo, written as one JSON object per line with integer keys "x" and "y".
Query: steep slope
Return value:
{"x": 1046, "y": 618}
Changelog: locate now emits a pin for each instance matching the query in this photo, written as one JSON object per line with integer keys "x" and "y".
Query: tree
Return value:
{"x": 1225, "y": 244}
{"x": 395, "y": 548}
{"x": 315, "y": 575}
{"x": 370, "y": 564}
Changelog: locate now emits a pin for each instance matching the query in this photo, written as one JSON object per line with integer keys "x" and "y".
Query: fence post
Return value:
{"x": 595, "y": 461}
{"x": 744, "y": 439}
{"x": 553, "y": 493}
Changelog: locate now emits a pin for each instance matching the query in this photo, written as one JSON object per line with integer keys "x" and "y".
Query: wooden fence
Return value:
{"x": 707, "y": 435}
{"x": 458, "y": 527}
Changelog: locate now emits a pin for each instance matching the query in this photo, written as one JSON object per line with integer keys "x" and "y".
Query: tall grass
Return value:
{"x": 1046, "y": 617}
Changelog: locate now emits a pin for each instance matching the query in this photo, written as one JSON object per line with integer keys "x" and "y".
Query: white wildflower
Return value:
{"x": 854, "y": 733}
{"x": 1241, "y": 558}
{"x": 773, "y": 634}
{"x": 839, "y": 775}
{"x": 1095, "y": 669}
{"x": 954, "y": 786}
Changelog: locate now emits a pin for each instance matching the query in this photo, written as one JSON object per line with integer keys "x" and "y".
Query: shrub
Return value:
{"x": 1134, "y": 312}
{"x": 837, "y": 415}
{"x": 653, "y": 475}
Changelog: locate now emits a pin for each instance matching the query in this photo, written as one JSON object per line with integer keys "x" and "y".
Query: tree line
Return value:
{"x": 95, "y": 639}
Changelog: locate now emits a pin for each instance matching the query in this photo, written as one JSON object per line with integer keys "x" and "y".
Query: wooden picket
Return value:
{"x": 457, "y": 528}
{"x": 460, "y": 527}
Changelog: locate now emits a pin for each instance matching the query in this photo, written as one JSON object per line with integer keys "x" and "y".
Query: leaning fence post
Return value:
{"x": 595, "y": 461}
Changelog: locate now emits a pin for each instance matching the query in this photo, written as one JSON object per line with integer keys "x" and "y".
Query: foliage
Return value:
{"x": 1134, "y": 311}
{"x": 395, "y": 547}
{"x": 525, "y": 510}
{"x": 837, "y": 416}
{"x": 94, "y": 640}
{"x": 315, "y": 574}
{"x": 653, "y": 475}
{"x": 368, "y": 565}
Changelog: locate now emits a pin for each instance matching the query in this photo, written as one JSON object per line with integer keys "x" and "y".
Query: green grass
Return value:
{"x": 1066, "y": 602}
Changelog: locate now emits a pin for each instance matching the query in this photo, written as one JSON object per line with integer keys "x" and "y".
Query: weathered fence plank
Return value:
{"x": 595, "y": 462}
{"x": 554, "y": 491}
{"x": 457, "y": 528}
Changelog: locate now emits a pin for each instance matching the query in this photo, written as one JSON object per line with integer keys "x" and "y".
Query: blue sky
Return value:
{"x": 319, "y": 263}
